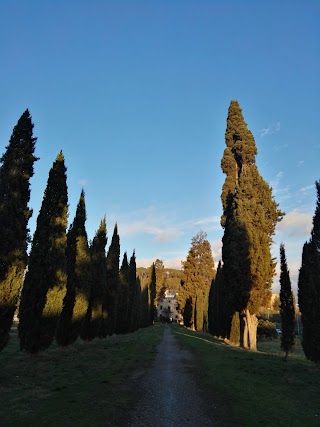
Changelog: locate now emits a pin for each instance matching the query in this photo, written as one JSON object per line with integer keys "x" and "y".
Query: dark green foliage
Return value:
{"x": 134, "y": 296}
{"x": 198, "y": 272}
{"x": 250, "y": 215}
{"x": 187, "y": 312}
{"x": 219, "y": 323}
{"x": 112, "y": 285}
{"x": 45, "y": 282}
{"x": 145, "y": 308}
{"x": 122, "y": 325}
{"x": 201, "y": 310}
{"x": 235, "y": 329}
{"x": 309, "y": 289}
{"x": 153, "y": 292}
{"x": 160, "y": 278}
{"x": 266, "y": 329}
{"x": 172, "y": 279}
{"x": 75, "y": 304}
{"x": 94, "y": 317}
{"x": 287, "y": 306}
{"x": 15, "y": 173}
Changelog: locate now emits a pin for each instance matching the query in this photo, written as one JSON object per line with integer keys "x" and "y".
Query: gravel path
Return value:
{"x": 170, "y": 396}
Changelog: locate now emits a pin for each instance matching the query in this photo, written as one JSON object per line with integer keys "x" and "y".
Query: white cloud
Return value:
{"x": 296, "y": 223}
{"x": 271, "y": 129}
{"x": 300, "y": 163}
{"x": 147, "y": 226}
{"x": 216, "y": 247}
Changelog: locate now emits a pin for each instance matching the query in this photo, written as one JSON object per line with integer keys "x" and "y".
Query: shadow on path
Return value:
{"x": 170, "y": 395}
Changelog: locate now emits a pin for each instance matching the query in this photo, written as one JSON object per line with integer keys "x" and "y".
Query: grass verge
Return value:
{"x": 255, "y": 388}
{"x": 81, "y": 385}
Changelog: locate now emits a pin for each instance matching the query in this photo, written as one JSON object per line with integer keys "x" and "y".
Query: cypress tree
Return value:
{"x": 249, "y": 218}
{"x": 76, "y": 301}
{"x": 15, "y": 173}
{"x": 287, "y": 306}
{"x": 134, "y": 295}
{"x": 145, "y": 307}
{"x": 112, "y": 284}
{"x": 45, "y": 281}
{"x": 217, "y": 312}
{"x": 123, "y": 306}
{"x": 160, "y": 278}
{"x": 198, "y": 272}
{"x": 309, "y": 289}
{"x": 235, "y": 329}
{"x": 136, "y": 307}
{"x": 199, "y": 313}
{"x": 94, "y": 316}
{"x": 153, "y": 293}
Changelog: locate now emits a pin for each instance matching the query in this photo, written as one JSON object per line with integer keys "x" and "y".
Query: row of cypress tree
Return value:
{"x": 71, "y": 287}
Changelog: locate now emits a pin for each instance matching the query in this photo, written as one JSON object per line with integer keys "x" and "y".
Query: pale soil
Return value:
{"x": 169, "y": 394}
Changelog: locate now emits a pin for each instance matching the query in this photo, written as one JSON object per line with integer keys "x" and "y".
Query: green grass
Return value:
{"x": 84, "y": 384}
{"x": 255, "y": 388}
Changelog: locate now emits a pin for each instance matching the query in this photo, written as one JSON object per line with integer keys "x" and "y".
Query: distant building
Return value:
{"x": 168, "y": 307}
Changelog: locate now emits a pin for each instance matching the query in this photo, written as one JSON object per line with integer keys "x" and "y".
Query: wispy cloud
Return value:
{"x": 270, "y": 130}
{"x": 162, "y": 223}
{"x": 206, "y": 224}
{"x": 307, "y": 188}
{"x": 300, "y": 163}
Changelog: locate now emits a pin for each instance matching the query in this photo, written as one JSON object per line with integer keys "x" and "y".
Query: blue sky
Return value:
{"x": 136, "y": 95}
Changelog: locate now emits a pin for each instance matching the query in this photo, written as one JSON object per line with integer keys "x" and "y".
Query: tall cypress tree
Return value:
{"x": 287, "y": 306}
{"x": 198, "y": 272}
{"x": 76, "y": 301}
{"x": 134, "y": 295}
{"x": 249, "y": 218}
{"x": 45, "y": 282}
{"x": 153, "y": 293}
{"x": 112, "y": 283}
{"x": 94, "y": 316}
{"x": 217, "y": 310}
{"x": 145, "y": 307}
{"x": 15, "y": 172}
{"x": 122, "y": 326}
{"x": 309, "y": 289}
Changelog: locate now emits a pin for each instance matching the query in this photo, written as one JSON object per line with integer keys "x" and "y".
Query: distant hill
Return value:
{"x": 171, "y": 280}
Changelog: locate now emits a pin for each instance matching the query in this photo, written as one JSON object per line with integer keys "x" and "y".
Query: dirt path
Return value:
{"x": 170, "y": 396}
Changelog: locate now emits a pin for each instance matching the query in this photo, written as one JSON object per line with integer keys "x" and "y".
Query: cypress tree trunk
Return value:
{"x": 251, "y": 326}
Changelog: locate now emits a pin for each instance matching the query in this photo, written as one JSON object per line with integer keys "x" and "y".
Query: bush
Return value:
{"x": 266, "y": 329}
